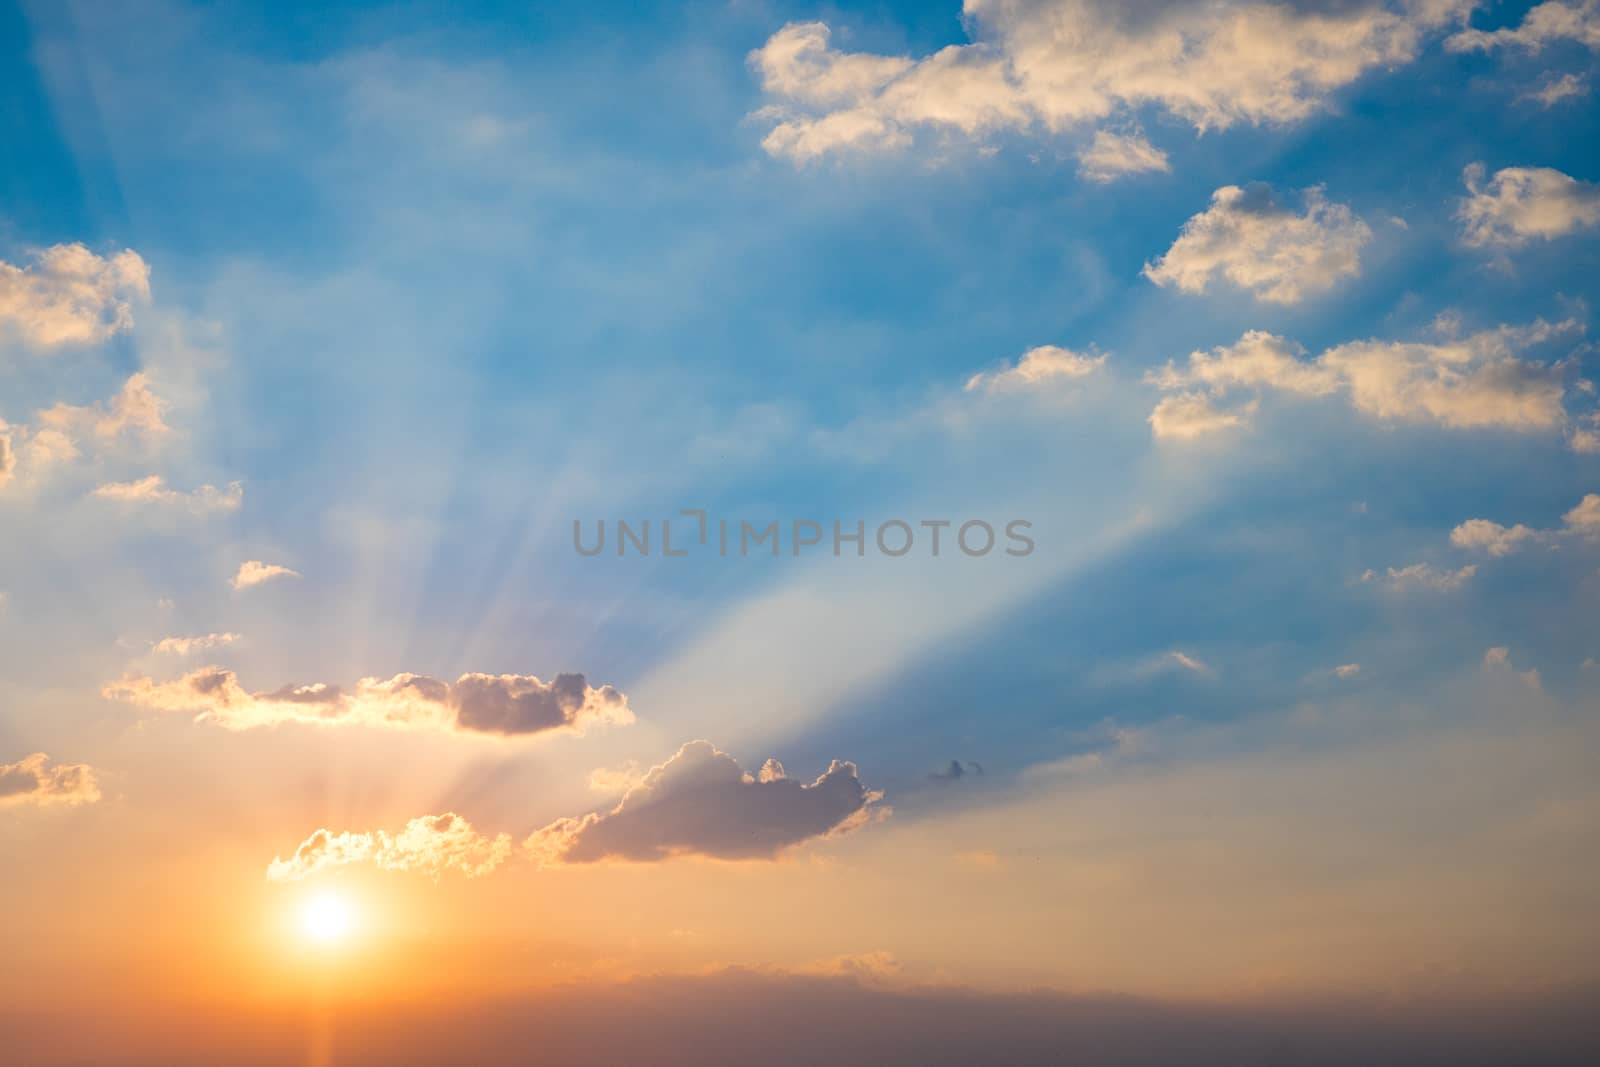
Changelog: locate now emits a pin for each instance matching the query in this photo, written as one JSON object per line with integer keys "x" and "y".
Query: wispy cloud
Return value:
{"x": 1499, "y": 658}
{"x": 184, "y": 646}
{"x": 1557, "y": 90}
{"x": 1110, "y": 156}
{"x": 254, "y": 572}
{"x": 1543, "y": 24}
{"x": 154, "y": 491}
{"x": 1422, "y": 576}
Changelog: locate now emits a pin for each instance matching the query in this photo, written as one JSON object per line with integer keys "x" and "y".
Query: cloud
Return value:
{"x": 1038, "y": 367}
{"x": 431, "y": 844}
{"x": 1585, "y": 518}
{"x": 1491, "y": 537}
{"x": 616, "y": 779}
{"x": 1251, "y": 239}
{"x": 1585, "y": 438}
{"x": 797, "y": 1018}
{"x": 32, "y": 780}
{"x": 1113, "y": 155}
{"x": 1118, "y": 745}
{"x": 867, "y": 968}
{"x": 521, "y": 704}
{"x": 957, "y": 771}
{"x": 507, "y": 704}
{"x": 1423, "y": 576}
{"x": 183, "y": 646}
{"x": 1049, "y": 65}
{"x": 1499, "y": 658}
{"x": 1556, "y": 90}
{"x": 1188, "y": 662}
{"x": 797, "y": 62}
{"x": 1473, "y": 382}
{"x": 1522, "y": 204}
{"x": 700, "y": 802}
{"x": 1347, "y": 670}
{"x": 856, "y": 129}
{"x": 63, "y": 432}
{"x": 135, "y": 409}
{"x": 254, "y": 572}
{"x": 1543, "y": 24}
{"x": 1497, "y": 540}
{"x": 1189, "y": 415}
{"x": 69, "y": 295}
{"x": 153, "y": 490}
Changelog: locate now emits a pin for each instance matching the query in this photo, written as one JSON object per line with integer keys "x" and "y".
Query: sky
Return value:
{"x": 963, "y": 532}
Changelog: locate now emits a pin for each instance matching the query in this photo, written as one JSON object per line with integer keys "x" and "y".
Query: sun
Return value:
{"x": 327, "y": 919}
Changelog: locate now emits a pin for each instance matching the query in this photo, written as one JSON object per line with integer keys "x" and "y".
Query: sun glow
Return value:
{"x": 327, "y": 919}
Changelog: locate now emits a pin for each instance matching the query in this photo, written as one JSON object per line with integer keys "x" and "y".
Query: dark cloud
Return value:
{"x": 957, "y": 771}
{"x": 784, "y": 1020}
{"x": 520, "y": 704}
{"x": 701, "y": 802}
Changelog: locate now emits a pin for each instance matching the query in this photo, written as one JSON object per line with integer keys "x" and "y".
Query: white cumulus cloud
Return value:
{"x": 1037, "y": 367}
{"x": 1251, "y": 239}
{"x": 1049, "y": 65}
{"x": 69, "y": 295}
{"x": 1522, "y": 204}
{"x": 1186, "y": 416}
{"x": 1478, "y": 381}
{"x": 1491, "y": 537}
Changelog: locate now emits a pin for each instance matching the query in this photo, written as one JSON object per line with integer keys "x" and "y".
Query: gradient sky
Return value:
{"x": 321, "y": 324}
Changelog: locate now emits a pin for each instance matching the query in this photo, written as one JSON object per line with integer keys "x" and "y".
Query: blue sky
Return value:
{"x": 433, "y": 281}
{"x": 427, "y": 324}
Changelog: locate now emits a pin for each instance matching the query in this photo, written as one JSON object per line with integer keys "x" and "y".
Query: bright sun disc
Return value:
{"x": 327, "y": 918}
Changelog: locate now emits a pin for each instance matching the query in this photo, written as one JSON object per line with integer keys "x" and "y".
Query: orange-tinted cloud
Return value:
{"x": 31, "y": 780}
{"x": 504, "y": 704}
{"x": 432, "y": 844}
